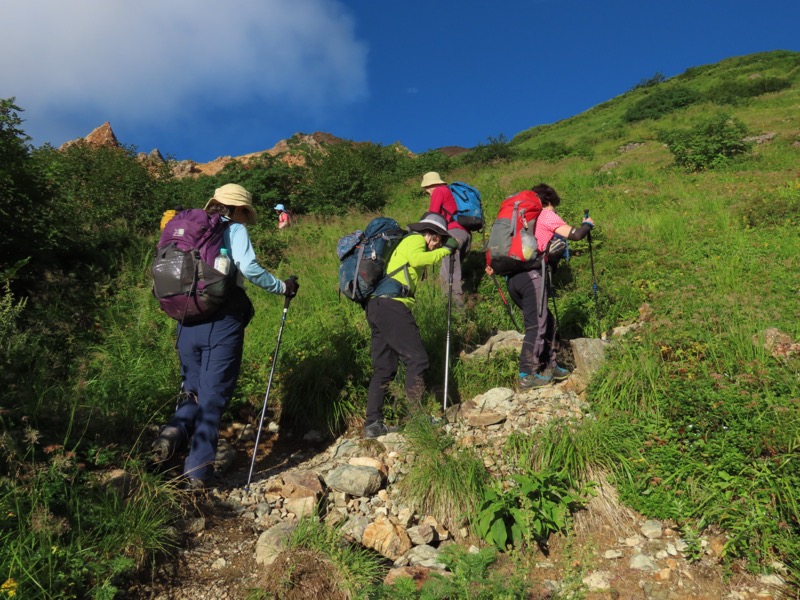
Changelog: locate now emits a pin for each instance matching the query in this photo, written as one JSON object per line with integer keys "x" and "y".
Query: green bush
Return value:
{"x": 348, "y": 177}
{"x": 535, "y": 506}
{"x": 496, "y": 149}
{"x": 657, "y": 78}
{"x": 737, "y": 91}
{"x": 708, "y": 144}
{"x": 661, "y": 102}
{"x": 20, "y": 191}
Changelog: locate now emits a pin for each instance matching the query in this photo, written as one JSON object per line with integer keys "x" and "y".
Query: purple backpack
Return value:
{"x": 185, "y": 282}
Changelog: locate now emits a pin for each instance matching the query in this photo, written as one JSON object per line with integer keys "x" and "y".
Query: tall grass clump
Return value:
{"x": 442, "y": 481}
{"x": 64, "y": 532}
{"x": 351, "y": 570}
{"x": 581, "y": 448}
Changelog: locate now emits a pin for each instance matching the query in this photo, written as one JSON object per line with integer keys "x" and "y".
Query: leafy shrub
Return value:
{"x": 657, "y": 78}
{"x": 537, "y": 506}
{"x": 708, "y": 144}
{"x": 347, "y": 177}
{"x": 735, "y": 92}
{"x": 20, "y": 189}
{"x": 661, "y": 102}
{"x": 433, "y": 160}
{"x": 268, "y": 178}
{"x": 497, "y": 149}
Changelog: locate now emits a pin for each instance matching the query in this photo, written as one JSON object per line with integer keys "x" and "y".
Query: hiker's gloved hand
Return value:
{"x": 451, "y": 244}
{"x": 291, "y": 287}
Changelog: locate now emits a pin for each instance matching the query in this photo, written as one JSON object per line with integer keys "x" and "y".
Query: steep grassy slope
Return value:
{"x": 713, "y": 254}
{"x": 702, "y": 419}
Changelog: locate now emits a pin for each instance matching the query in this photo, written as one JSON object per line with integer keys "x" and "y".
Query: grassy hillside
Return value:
{"x": 697, "y": 421}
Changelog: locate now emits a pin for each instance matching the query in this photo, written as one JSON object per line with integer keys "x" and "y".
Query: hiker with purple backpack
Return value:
{"x": 210, "y": 343}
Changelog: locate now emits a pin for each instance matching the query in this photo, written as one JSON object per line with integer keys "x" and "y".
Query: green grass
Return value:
{"x": 443, "y": 481}
{"x": 357, "y": 569}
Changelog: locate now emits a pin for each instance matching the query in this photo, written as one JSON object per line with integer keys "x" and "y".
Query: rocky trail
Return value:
{"x": 231, "y": 540}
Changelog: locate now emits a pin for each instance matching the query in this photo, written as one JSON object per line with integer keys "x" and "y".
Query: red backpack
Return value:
{"x": 512, "y": 247}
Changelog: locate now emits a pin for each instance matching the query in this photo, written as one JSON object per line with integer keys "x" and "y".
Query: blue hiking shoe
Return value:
{"x": 534, "y": 380}
{"x": 558, "y": 373}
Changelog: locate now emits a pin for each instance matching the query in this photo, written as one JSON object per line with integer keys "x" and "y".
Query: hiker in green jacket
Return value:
{"x": 395, "y": 334}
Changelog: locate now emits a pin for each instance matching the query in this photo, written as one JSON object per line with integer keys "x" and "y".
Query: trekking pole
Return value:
{"x": 552, "y": 293}
{"x": 505, "y": 302}
{"x": 447, "y": 343}
{"x": 594, "y": 278}
{"x": 269, "y": 385}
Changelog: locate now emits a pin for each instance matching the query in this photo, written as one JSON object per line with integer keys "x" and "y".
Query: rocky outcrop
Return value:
{"x": 101, "y": 136}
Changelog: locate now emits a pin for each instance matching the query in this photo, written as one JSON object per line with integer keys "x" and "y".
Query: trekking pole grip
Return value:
{"x": 585, "y": 213}
{"x": 288, "y": 299}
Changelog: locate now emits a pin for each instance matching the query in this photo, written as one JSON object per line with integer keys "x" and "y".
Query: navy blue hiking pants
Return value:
{"x": 395, "y": 336}
{"x": 538, "y": 346}
{"x": 211, "y": 355}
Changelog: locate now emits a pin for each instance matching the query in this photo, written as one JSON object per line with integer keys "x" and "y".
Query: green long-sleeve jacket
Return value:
{"x": 413, "y": 251}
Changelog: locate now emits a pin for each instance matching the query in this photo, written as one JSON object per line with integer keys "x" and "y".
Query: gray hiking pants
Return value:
{"x": 464, "y": 240}
{"x": 539, "y": 344}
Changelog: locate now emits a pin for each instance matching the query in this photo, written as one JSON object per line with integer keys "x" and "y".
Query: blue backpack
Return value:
{"x": 470, "y": 211}
{"x": 363, "y": 256}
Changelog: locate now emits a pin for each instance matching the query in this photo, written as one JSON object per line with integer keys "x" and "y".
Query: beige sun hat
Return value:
{"x": 431, "y": 178}
{"x": 430, "y": 221}
{"x": 232, "y": 194}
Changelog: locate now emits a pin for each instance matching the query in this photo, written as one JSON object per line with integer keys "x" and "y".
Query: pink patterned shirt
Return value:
{"x": 546, "y": 226}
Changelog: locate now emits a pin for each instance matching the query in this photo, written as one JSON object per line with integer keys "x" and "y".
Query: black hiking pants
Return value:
{"x": 395, "y": 337}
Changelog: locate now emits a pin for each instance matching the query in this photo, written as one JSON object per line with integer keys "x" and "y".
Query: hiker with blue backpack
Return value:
{"x": 527, "y": 285}
{"x": 443, "y": 202}
{"x": 210, "y": 334}
{"x": 395, "y": 334}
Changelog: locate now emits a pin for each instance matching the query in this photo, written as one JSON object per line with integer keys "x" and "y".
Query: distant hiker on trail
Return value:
{"x": 284, "y": 216}
{"x": 395, "y": 334}
{"x": 443, "y": 203}
{"x": 210, "y": 350}
{"x": 528, "y": 290}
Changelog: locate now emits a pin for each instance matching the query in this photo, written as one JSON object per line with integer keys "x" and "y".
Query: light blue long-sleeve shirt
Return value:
{"x": 237, "y": 241}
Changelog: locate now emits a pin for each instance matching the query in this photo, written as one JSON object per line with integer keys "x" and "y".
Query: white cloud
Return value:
{"x": 139, "y": 58}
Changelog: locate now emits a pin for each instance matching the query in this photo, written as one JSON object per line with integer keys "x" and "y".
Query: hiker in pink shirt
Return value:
{"x": 284, "y": 216}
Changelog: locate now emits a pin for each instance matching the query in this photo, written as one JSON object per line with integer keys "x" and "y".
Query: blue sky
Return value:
{"x": 199, "y": 79}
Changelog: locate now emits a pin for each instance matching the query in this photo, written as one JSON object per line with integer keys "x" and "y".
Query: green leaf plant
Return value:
{"x": 535, "y": 506}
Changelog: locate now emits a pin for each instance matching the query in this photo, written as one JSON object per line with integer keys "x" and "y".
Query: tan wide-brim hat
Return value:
{"x": 431, "y": 178}
{"x": 232, "y": 194}
{"x": 431, "y": 221}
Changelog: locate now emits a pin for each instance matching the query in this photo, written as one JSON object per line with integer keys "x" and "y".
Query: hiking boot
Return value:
{"x": 193, "y": 485}
{"x": 534, "y": 380}
{"x": 166, "y": 444}
{"x": 558, "y": 373}
{"x": 377, "y": 429}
